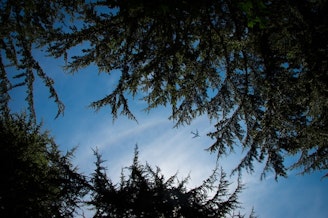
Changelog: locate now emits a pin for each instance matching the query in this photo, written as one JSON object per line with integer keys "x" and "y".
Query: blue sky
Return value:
{"x": 172, "y": 149}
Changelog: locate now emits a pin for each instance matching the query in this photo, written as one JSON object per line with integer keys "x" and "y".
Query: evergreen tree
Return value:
{"x": 144, "y": 192}
{"x": 257, "y": 68}
{"x": 27, "y": 26}
{"x": 36, "y": 179}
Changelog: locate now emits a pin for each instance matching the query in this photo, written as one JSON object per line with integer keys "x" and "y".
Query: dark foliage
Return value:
{"x": 257, "y": 68}
{"x": 144, "y": 192}
{"x": 27, "y": 26}
{"x": 36, "y": 179}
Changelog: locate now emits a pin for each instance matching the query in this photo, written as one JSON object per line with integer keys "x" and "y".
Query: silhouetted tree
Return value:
{"x": 36, "y": 179}
{"x": 144, "y": 192}
{"x": 27, "y": 26}
{"x": 258, "y": 68}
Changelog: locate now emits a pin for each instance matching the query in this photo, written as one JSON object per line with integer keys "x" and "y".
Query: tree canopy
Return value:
{"x": 144, "y": 192}
{"x": 26, "y": 26}
{"x": 257, "y": 68}
{"x": 36, "y": 179}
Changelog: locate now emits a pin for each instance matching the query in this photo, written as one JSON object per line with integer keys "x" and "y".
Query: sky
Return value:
{"x": 174, "y": 150}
